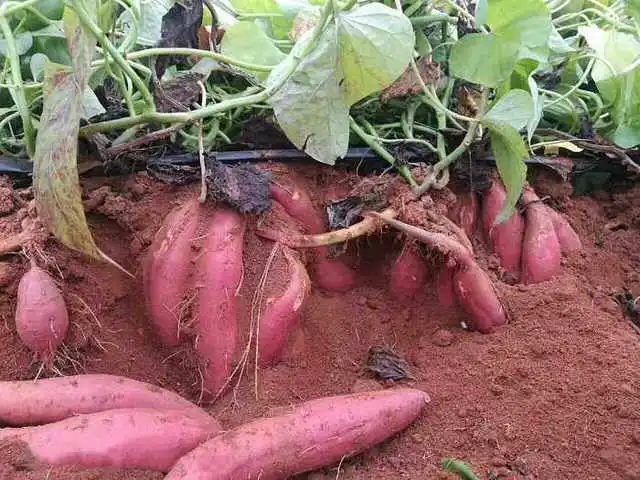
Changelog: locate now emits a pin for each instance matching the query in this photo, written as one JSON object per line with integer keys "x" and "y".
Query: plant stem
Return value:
{"x": 240, "y": 101}
{"x": 150, "y": 52}
{"x": 373, "y": 144}
{"x": 18, "y": 87}
{"x": 430, "y": 19}
{"x": 88, "y": 23}
{"x": 10, "y": 8}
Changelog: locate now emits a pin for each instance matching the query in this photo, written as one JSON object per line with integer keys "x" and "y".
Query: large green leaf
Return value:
{"x": 509, "y": 151}
{"x": 527, "y": 22}
{"x": 150, "y": 25}
{"x": 23, "y": 42}
{"x": 279, "y": 27}
{"x": 310, "y": 107}
{"x": 247, "y": 42}
{"x": 485, "y": 59}
{"x": 376, "y": 44}
{"x": 55, "y": 174}
{"x": 633, "y": 9}
{"x": 514, "y": 109}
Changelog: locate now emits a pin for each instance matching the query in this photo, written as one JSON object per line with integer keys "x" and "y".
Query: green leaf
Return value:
{"x": 150, "y": 25}
{"x": 633, "y": 9}
{"x": 557, "y": 44}
{"x": 376, "y": 45}
{"x": 23, "y": 42}
{"x": 620, "y": 50}
{"x": 55, "y": 174}
{"x": 514, "y": 109}
{"x": 527, "y": 22}
{"x": 279, "y": 26}
{"x": 485, "y": 59}
{"x": 310, "y": 107}
{"x": 482, "y": 12}
{"x": 247, "y": 42}
{"x": 509, "y": 151}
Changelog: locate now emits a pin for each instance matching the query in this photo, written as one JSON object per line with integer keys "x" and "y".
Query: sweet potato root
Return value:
{"x": 465, "y": 212}
{"x": 53, "y": 399}
{"x": 444, "y": 287}
{"x": 408, "y": 273}
{"x": 138, "y": 438}
{"x": 541, "y": 248}
{"x": 567, "y": 236}
{"x": 282, "y": 313}
{"x": 330, "y": 274}
{"x": 506, "y": 238}
{"x": 312, "y": 435}
{"x": 42, "y": 320}
{"x": 219, "y": 273}
{"x": 167, "y": 267}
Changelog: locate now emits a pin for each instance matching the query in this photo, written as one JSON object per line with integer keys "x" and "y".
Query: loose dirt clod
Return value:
{"x": 385, "y": 364}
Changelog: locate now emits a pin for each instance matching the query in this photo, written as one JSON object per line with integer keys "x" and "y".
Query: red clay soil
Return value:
{"x": 553, "y": 395}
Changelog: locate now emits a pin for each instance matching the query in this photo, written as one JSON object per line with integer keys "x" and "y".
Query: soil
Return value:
{"x": 554, "y": 394}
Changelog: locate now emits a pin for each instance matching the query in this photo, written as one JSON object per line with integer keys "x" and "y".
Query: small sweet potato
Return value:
{"x": 41, "y": 318}
{"x": 505, "y": 238}
{"x": 567, "y": 236}
{"x": 167, "y": 267}
{"x": 139, "y": 438}
{"x": 444, "y": 287}
{"x": 465, "y": 212}
{"x": 312, "y": 435}
{"x": 408, "y": 273}
{"x": 330, "y": 274}
{"x": 541, "y": 248}
{"x": 219, "y": 273}
{"x": 49, "y": 400}
{"x": 282, "y": 313}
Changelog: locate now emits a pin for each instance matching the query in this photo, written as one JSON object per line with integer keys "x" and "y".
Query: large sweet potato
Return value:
{"x": 42, "y": 320}
{"x": 167, "y": 267}
{"x": 312, "y": 435}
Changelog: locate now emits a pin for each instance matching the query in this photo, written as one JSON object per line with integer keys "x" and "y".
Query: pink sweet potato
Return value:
{"x": 330, "y": 274}
{"x": 50, "y": 400}
{"x": 167, "y": 267}
{"x": 137, "y": 438}
{"x": 312, "y": 435}
{"x": 219, "y": 273}
{"x": 541, "y": 248}
{"x": 282, "y": 313}
{"x": 41, "y": 318}
{"x": 444, "y": 287}
{"x": 465, "y": 212}
{"x": 408, "y": 273}
{"x": 567, "y": 236}
{"x": 505, "y": 238}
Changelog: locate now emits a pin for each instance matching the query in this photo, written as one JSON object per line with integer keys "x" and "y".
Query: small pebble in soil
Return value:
{"x": 442, "y": 337}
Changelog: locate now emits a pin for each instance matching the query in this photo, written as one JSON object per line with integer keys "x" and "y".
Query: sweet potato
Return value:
{"x": 408, "y": 273}
{"x": 167, "y": 267}
{"x": 282, "y": 313}
{"x": 444, "y": 287}
{"x": 50, "y": 400}
{"x": 41, "y": 318}
{"x": 312, "y": 435}
{"x": 506, "y": 238}
{"x": 219, "y": 273}
{"x": 541, "y": 248}
{"x": 567, "y": 236}
{"x": 330, "y": 274}
{"x": 472, "y": 286}
{"x": 465, "y": 212}
{"x": 138, "y": 438}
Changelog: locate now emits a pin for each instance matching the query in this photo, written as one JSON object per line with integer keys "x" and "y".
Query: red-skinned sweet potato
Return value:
{"x": 444, "y": 287}
{"x": 541, "y": 248}
{"x": 506, "y": 238}
{"x": 330, "y": 274}
{"x": 167, "y": 267}
{"x": 137, "y": 438}
{"x": 282, "y": 313}
{"x": 408, "y": 273}
{"x": 465, "y": 212}
{"x": 49, "y": 400}
{"x": 312, "y": 435}
{"x": 41, "y": 318}
{"x": 219, "y": 273}
{"x": 567, "y": 236}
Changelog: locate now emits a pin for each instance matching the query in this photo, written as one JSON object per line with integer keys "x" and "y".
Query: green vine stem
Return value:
{"x": 240, "y": 101}
{"x": 151, "y": 52}
{"x": 18, "y": 87}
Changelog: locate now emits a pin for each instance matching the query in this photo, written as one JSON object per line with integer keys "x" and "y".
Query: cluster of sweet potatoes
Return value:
{"x": 104, "y": 421}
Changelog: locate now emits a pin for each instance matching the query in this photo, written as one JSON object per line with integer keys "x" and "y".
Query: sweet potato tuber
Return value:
{"x": 444, "y": 287}
{"x": 465, "y": 212}
{"x": 330, "y": 274}
{"x": 408, "y": 273}
{"x": 567, "y": 236}
{"x": 219, "y": 273}
{"x": 167, "y": 267}
{"x": 138, "y": 438}
{"x": 541, "y": 248}
{"x": 505, "y": 238}
{"x": 53, "y": 399}
{"x": 42, "y": 319}
{"x": 282, "y": 313}
{"x": 312, "y": 435}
